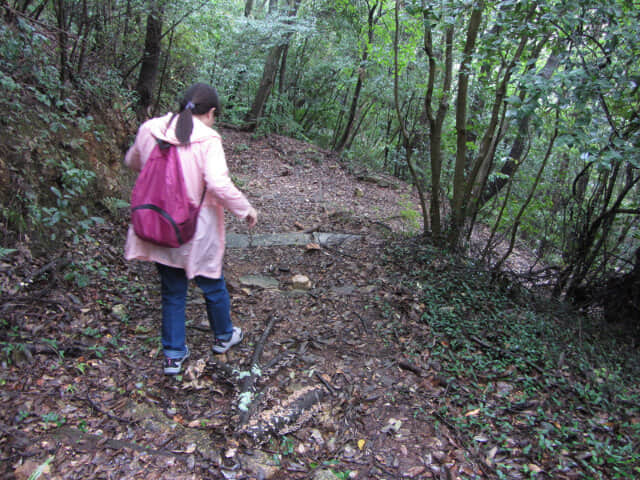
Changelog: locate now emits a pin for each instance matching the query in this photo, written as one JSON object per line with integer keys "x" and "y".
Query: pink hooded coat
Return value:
{"x": 203, "y": 162}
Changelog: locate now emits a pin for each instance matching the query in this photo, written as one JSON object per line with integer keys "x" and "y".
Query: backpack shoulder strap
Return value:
{"x": 164, "y": 145}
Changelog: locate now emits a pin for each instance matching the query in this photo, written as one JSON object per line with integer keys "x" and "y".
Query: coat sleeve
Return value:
{"x": 133, "y": 157}
{"x": 219, "y": 183}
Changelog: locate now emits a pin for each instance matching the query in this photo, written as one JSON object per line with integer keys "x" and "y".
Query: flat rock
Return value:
{"x": 260, "y": 281}
{"x": 241, "y": 240}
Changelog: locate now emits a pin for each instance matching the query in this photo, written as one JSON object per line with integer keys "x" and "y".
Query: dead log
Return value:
{"x": 247, "y": 383}
{"x": 288, "y": 416}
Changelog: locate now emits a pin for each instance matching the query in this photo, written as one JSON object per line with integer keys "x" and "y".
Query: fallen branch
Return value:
{"x": 504, "y": 352}
{"x": 247, "y": 383}
{"x": 330, "y": 387}
{"x": 100, "y": 410}
{"x": 313, "y": 229}
{"x": 288, "y": 416}
{"x": 406, "y": 365}
{"x": 257, "y": 353}
{"x": 53, "y": 266}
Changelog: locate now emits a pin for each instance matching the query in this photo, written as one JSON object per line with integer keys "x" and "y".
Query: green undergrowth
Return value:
{"x": 529, "y": 385}
{"x": 59, "y": 153}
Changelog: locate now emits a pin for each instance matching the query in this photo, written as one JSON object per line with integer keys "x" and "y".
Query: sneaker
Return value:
{"x": 220, "y": 346}
{"x": 172, "y": 366}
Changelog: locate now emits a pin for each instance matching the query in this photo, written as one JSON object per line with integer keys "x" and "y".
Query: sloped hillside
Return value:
{"x": 389, "y": 359}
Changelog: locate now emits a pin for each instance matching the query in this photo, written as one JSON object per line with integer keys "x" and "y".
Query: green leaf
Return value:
{"x": 5, "y": 252}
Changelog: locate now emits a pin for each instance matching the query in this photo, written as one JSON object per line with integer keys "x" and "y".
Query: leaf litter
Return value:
{"x": 391, "y": 362}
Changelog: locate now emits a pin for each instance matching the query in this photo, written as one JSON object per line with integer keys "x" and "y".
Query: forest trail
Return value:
{"x": 329, "y": 393}
{"x": 334, "y": 379}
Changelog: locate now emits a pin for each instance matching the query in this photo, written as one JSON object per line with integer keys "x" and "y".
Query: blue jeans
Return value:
{"x": 174, "y": 286}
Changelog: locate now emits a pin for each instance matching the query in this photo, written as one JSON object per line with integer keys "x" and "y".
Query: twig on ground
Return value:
{"x": 406, "y": 365}
{"x": 503, "y": 351}
{"x": 97, "y": 408}
{"x": 313, "y": 229}
{"x": 330, "y": 387}
{"x": 53, "y": 266}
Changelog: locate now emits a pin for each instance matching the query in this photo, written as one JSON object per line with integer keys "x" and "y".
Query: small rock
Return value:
{"x": 504, "y": 388}
{"x": 349, "y": 451}
{"x": 21, "y": 357}
{"x": 344, "y": 290}
{"x": 324, "y": 475}
{"x": 119, "y": 311}
{"x": 332, "y": 444}
{"x": 260, "y": 464}
{"x": 301, "y": 282}
{"x": 317, "y": 436}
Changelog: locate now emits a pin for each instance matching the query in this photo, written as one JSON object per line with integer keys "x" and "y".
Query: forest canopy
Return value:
{"x": 517, "y": 122}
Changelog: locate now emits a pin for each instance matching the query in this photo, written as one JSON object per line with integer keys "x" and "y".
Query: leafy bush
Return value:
{"x": 527, "y": 383}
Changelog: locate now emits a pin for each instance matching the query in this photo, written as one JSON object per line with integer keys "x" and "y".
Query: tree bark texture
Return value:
{"x": 372, "y": 19}
{"x": 266, "y": 85}
{"x": 248, "y": 6}
{"x": 436, "y": 119}
{"x": 269, "y": 74}
{"x": 150, "y": 59}
{"x": 61, "y": 18}
{"x": 457, "y": 214}
{"x": 518, "y": 146}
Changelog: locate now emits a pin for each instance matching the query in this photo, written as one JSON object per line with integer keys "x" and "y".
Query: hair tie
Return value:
{"x": 189, "y": 106}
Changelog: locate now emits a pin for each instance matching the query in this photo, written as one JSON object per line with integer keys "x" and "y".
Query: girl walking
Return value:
{"x": 204, "y": 167}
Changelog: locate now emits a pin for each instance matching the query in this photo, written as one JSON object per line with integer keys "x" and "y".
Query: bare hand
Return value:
{"x": 251, "y": 218}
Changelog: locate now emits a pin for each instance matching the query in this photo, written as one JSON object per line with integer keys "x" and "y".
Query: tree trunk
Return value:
{"x": 39, "y": 9}
{"x": 436, "y": 119}
{"x": 269, "y": 75}
{"x": 61, "y": 17}
{"x": 248, "y": 6}
{"x": 517, "y": 147}
{"x": 353, "y": 109}
{"x": 283, "y": 70}
{"x": 484, "y": 160}
{"x": 150, "y": 59}
{"x": 266, "y": 85}
{"x": 459, "y": 184}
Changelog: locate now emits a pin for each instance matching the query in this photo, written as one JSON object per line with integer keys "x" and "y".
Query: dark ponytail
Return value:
{"x": 197, "y": 100}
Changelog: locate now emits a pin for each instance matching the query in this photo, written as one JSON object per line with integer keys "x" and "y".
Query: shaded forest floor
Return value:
{"x": 396, "y": 361}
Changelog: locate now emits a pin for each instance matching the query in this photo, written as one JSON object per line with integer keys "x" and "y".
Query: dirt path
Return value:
{"x": 318, "y": 389}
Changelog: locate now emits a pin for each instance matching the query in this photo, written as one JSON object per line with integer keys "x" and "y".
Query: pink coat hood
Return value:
{"x": 203, "y": 163}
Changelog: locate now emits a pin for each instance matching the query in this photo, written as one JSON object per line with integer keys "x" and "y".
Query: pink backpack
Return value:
{"x": 161, "y": 212}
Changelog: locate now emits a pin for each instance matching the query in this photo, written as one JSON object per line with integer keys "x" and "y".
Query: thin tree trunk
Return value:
{"x": 517, "y": 147}
{"x": 457, "y": 214}
{"x": 150, "y": 59}
{"x": 407, "y": 141}
{"x": 525, "y": 205}
{"x": 248, "y": 6}
{"x": 372, "y": 19}
{"x": 283, "y": 70}
{"x": 482, "y": 166}
{"x": 436, "y": 119}
{"x": 125, "y": 34}
{"x": 39, "y": 9}
{"x": 61, "y": 17}
{"x": 163, "y": 75}
{"x": 269, "y": 75}
{"x": 266, "y": 85}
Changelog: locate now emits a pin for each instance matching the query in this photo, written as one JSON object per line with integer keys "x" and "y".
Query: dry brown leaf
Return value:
{"x": 414, "y": 471}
